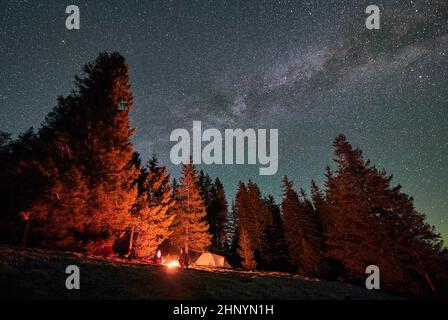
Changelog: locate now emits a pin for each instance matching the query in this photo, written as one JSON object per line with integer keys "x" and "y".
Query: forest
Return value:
{"x": 77, "y": 184}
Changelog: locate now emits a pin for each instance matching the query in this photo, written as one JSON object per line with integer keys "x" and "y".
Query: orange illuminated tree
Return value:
{"x": 85, "y": 154}
{"x": 152, "y": 212}
{"x": 191, "y": 230}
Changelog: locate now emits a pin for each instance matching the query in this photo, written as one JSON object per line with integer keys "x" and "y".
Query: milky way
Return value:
{"x": 308, "y": 68}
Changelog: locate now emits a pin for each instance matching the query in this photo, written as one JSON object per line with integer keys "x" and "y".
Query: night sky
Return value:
{"x": 308, "y": 68}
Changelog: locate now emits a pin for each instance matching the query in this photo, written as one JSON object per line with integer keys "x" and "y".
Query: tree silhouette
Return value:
{"x": 370, "y": 222}
{"x": 301, "y": 230}
{"x": 254, "y": 216}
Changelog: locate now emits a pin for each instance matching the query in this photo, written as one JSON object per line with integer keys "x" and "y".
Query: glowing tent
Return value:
{"x": 212, "y": 260}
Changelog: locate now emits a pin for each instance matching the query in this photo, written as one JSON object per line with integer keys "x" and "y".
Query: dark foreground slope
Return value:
{"x": 40, "y": 274}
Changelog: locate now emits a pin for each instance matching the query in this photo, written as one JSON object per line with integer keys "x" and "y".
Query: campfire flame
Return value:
{"x": 173, "y": 264}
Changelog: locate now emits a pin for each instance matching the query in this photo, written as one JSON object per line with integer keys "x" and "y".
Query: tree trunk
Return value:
{"x": 186, "y": 242}
{"x": 25, "y": 232}
{"x": 131, "y": 243}
{"x": 430, "y": 282}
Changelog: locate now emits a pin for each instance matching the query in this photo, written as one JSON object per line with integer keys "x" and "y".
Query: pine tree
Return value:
{"x": 59, "y": 214}
{"x": 152, "y": 211}
{"x": 216, "y": 207}
{"x": 245, "y": 251}
{"x": 370, "y": 222}
{"x": 318, "y": 201}
{"x": 230, "y": 231}
{"x": 322, "y": 215}
{"x": 314, "y": 235}
{"x": 86, "y": 156}
{"x": 21, "y": 183}
{"x": 112, "y": 172}
{"x": 240, "y": 205}
{"x": 276, "y": 238}
{"x": 216, "y": 216}
{"x": 301, "y": 230}
{"x": 191, "y": 230}
{"x": 238, "y": 210}
{"x": 56, "y": 207}
{"x": 254, "y": 216}
{"x": 206, "y": 185}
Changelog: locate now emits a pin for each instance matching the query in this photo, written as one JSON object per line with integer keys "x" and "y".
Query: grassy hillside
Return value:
{"x": 40, "y": 274}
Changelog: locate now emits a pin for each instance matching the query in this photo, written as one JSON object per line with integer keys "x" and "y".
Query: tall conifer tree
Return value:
{"x": 254, "y": 216}
{"x": 87, "y": 157}
{"x": 153, "y": 216}
{"x": 301, "y": 230}
{"x": 276, "y": 237}
{"x": 217, "y": 214}
{"x": 191, "y": 230}
{"x": 370, "y": 222}
{"x": 245, "y": 251}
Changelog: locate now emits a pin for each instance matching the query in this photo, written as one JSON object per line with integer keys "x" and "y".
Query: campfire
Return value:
{"x": 173, "y": 264}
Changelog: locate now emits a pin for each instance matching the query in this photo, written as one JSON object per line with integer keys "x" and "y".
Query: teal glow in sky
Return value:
{"x": 308, "y": 68}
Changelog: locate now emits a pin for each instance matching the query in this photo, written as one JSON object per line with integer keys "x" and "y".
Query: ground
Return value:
{"x": 40, "y": 274}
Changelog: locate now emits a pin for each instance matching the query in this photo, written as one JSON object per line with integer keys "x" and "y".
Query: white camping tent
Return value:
{"x": 212, "y": 260}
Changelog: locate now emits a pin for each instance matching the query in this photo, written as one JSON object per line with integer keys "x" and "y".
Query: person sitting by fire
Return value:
{"x": 158, "y": 258}
{"x": 183, "y": 258}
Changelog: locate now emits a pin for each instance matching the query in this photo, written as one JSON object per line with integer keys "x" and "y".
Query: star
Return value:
{"x": 309, "y": 69}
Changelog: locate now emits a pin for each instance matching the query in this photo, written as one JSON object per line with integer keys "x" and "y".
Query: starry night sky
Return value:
{"x": 308, "y": 68}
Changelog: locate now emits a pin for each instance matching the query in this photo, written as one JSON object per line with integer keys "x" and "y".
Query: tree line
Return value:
{"x": 78, "y": 184}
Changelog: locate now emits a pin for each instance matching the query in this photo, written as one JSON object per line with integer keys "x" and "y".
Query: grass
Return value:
{"x": 40, "y": 274}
